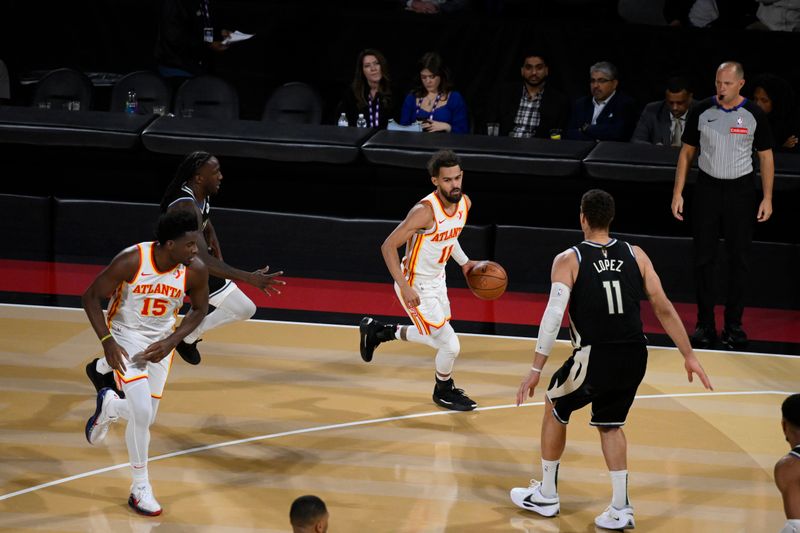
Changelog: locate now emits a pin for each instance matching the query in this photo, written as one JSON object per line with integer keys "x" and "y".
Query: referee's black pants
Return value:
{"x": 725, "y": 208}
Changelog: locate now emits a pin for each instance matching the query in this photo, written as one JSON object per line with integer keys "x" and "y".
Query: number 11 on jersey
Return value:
{"x": 618, "y": 292}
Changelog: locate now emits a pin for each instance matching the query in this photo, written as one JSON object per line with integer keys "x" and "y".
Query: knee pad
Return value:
{"x": 446, "y": 340}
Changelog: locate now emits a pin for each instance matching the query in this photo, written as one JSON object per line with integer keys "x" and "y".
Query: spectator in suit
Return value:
{"x": 607, "y": 115}
{"x": 663, "y": 121}
{"x": 533, "y": 108}
{"x": 776, "y": 99}
{"x": 370, "y": 94}
{"x": 434, "y": 103}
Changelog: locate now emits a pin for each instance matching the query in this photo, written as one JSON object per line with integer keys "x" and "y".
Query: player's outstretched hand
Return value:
{"x": 693, "y": 366}
{"x": 115, "y": 355}
{"x": 267, "y": 282}
{"x": 527, "y": 386}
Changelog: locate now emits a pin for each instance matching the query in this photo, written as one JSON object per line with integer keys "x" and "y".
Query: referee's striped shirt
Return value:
{"x": 726, "y": 137}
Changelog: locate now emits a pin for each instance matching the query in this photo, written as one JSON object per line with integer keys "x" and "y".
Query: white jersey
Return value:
{"x": 149, "y": 303}
{"x": 427, "y": 251}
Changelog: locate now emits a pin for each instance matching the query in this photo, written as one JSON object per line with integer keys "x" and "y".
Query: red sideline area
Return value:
{"x": 360, "y": 298}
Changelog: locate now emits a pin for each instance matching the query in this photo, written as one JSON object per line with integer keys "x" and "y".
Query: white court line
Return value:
{"x": 488, "y": 335}
{"x": 343, "y": 425}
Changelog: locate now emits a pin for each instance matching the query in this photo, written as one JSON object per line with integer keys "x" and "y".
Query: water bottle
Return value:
{"x": 361, "y": 122}
{"x": 131, "y": 105}
{"x": 343, "y": 120}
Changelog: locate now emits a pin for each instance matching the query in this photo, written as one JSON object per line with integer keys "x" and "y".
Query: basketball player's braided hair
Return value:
{"x": 188, "y": 168}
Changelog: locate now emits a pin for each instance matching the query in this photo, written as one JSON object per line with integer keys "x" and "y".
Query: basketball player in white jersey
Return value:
{"x": 147, "y": 283}
{"x": 430, "y": 234}
{"x": 787, "y": 469}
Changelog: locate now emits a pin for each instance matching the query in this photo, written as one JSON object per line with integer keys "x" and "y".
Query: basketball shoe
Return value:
{"x": 372, "y": 334}
{"x": 532, "y": 499}
{"x": 102, "y": 381}
{"x": 446, "y": 395}
{"x": 98, "y": 424}
{"x": 613, "y": 518}
{"x": 143, "y": 501}
{"x": 189, "y": 352}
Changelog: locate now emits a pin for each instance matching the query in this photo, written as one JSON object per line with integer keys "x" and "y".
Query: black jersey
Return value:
{"x": 795, "y": 451}
{"x": 604, "y": 304}
{"x": 186, "y": 193}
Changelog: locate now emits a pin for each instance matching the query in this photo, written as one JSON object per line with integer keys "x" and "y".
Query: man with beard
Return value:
{"x": 430, "y": 233}
{"x": 607, "y": 115}
{"x": 528, "y": 110}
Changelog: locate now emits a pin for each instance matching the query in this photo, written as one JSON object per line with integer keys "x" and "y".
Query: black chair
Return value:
{"x": 150, "y": 91}
{"x": 293, "y": 103}
{"x": 207, "y": 97}
{"x": 62, "y": 86}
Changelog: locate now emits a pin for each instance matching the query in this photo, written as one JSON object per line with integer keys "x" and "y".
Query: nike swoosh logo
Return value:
{"x": 712, "y": 119}
{"x": 364, "y": 341}
{"x": 442, "y": 221}
{"x": 147, "y": 274}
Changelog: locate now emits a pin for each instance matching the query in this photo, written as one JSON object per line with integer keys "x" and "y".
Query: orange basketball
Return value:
{"x": 487, "y": 280}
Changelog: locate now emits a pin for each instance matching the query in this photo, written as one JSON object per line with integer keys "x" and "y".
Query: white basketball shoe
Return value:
{"x": 613, "y": 518}
{"x": 98, "y": 424}
{"x": 531, "y": 499}
{"x": 142, "y": 500}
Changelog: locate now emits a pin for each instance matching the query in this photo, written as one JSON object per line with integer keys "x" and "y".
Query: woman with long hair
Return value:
{"x": 776, "y": 99}
{"x": 370, "y": 93}
{"x": 433, "y": 102}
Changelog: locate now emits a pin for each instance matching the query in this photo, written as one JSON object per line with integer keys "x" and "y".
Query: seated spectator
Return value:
{"x": 607, "y": 115}
{"x": 776, "y": 99}
{"x": 736, "y": 14}
{"x": 308, "y": 514}
{"x": 370, "y": 94}
{"x": 532, "y": 108}
{"x": 432, "y": 7}
{"x": 434, "y": 102}
{"x": 663, "y": 121}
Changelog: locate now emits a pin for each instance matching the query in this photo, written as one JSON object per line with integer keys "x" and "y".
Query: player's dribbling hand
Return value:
{"x": 267, "y": 282}
{"x": 693, "y": 366}
{"x": 466, "y": 267}
{"x": 527, "y": 386}
{"x": 115, "y": 355}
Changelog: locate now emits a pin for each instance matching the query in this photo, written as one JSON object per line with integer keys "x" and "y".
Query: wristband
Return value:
{"x": 104, "y": 339}
{"x": 537, "y": 370}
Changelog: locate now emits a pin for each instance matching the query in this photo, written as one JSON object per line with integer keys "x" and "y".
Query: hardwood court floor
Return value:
{"x": 279, "y": 410}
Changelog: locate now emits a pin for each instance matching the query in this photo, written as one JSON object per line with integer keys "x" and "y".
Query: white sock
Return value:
{"x": 550, "y": 478}
{"x": 619, "y": 486}
{"x": 235, "y": 307}
{"x": 102, "y": 366}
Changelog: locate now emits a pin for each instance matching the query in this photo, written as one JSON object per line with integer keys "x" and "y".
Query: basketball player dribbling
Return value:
{"x": 603, "y": 280}
{"x": 430, "y": 234}
{"x": 148, "y": 282}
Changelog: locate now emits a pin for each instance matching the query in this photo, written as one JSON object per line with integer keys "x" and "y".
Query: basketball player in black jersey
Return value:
{"x": 197, "y": 179}
{"x": 603, "y": 280}
{"x": 787, "y": 469}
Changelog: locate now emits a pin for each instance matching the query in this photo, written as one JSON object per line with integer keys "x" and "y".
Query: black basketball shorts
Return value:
{"x": 605, "y": 375}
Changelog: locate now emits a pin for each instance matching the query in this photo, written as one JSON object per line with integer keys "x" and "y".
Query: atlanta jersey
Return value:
{"x": 428, "y": 250}
{"x": 149, "y": 303}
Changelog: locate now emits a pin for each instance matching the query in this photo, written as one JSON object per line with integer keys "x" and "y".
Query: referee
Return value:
{"x": 726, "y": 127}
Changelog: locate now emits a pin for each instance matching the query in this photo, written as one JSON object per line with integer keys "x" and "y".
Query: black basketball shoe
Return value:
{"x": 733, "y": 337}
{"x": 372, "y": 334}
{"x": 189, "y": 352}
{"x": 102, "y": 381}
{"x": 448, "y": 396}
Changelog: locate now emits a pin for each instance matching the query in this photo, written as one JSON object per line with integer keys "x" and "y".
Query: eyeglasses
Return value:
{"x": 593, "y": 81}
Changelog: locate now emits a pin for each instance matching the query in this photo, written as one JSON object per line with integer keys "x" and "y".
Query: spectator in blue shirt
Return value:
{"x": 434, "y": 103}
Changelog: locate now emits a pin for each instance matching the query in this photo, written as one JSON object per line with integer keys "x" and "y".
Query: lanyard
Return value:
{"x": 373, "y": 121}
{"x": 433, "y": 108}
{"x": 206, "y": 12}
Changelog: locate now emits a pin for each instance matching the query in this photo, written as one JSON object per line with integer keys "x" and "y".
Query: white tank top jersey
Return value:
{"x": 427, "y": 251}
{"x": 148, "y": 304}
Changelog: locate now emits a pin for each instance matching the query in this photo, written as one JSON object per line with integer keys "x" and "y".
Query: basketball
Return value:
{"x": 487, "y": 280}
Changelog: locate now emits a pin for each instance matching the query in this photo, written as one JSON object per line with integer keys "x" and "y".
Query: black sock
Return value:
{"x": 386, "y": 333}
